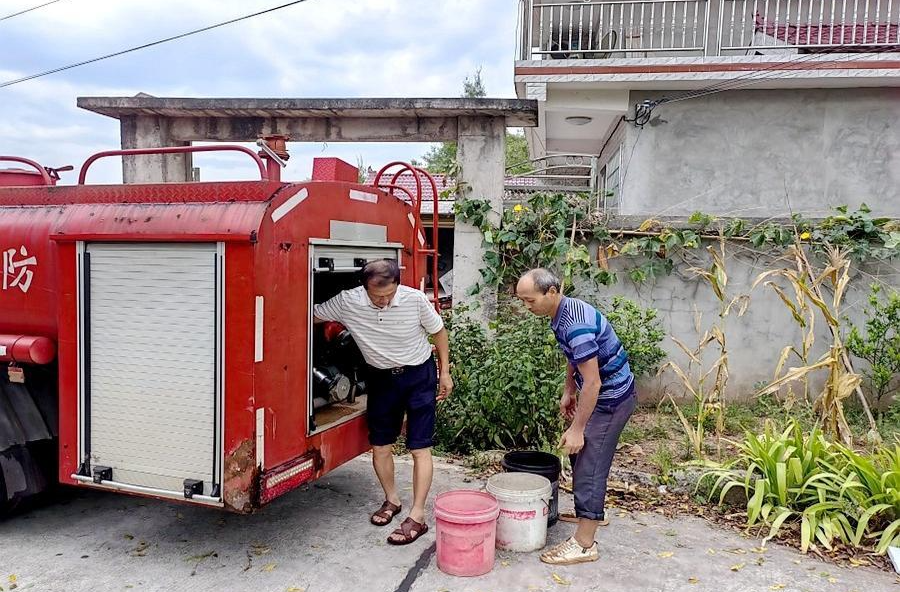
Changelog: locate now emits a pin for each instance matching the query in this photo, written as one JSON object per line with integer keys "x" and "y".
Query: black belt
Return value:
{"x": 397, "y": 369}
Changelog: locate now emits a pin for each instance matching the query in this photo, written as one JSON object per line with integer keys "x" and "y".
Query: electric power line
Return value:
{"x": 146, "y": 45}
{"x": 738, "y": 82}
{"x": 762, "y": 74}
{"x": 9, "y": 16}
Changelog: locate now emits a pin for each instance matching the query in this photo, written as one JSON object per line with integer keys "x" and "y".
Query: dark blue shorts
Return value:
{"x": 393, "y": 393}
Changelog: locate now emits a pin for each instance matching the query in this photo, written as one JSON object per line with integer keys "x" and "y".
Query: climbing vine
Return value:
{"x": 554, "y": 230}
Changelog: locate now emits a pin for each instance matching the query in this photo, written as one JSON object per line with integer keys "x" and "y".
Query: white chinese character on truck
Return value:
{"x": 17, "y": 272}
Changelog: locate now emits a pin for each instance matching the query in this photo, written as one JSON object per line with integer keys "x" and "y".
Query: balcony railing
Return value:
{"x": 640, "y": 28}
{"x": 809, "y": 25}
{"x": 555, "y": 173}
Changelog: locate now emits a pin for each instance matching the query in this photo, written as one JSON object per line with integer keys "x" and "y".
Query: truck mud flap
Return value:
{"x": 28, "y": 432}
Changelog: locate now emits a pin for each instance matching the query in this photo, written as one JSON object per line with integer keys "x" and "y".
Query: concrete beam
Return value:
{"x": 518, "y": 113}
{"x": 141, "y": 131}
{"x": 314, "y": 129}
{"x": 481, "y": 156}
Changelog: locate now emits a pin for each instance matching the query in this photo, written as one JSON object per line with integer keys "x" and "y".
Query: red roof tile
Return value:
{"x": 830, "y": 34}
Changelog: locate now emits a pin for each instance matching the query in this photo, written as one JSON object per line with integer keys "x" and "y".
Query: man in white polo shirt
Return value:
{"x": 391, "y": 324}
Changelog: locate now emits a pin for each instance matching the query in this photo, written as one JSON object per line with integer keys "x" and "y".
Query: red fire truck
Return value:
{"x": 157, "y": 339}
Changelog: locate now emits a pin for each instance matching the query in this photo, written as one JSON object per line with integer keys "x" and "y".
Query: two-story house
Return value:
{"x": 750, "y": 107}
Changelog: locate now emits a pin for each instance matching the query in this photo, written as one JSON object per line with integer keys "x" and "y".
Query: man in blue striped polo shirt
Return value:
{"x": 599, "y": 373}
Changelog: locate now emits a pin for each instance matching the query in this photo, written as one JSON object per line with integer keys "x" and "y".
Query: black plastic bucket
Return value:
{"x": 538, "y": 463}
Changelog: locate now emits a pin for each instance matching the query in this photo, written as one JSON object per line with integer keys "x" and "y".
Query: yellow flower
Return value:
{"x": 805, "y": 236}
{"x": 517, "y": 208}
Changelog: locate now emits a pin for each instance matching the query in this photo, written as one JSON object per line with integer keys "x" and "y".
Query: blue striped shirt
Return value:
{"x": 583, "y": 333}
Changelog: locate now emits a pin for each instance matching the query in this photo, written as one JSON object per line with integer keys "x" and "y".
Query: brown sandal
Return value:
{"x": 406, "y": 530}
{"x": 387, "y": 511}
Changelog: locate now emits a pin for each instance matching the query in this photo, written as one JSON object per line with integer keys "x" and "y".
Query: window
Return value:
{"x": 609, "y": 182}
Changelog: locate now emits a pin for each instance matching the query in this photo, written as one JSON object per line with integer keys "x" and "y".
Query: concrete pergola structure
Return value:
{"x": 477, "y": 125}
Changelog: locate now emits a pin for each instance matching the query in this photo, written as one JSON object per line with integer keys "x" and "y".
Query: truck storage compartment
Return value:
{"x": 337, "y": 389}
{"x": 151, "y": 387}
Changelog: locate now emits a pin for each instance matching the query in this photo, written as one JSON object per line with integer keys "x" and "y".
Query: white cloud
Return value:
{"x": 320, "y": 48}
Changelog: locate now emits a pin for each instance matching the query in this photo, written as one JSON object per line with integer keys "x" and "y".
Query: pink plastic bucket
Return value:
{"x": 466, "y": 532}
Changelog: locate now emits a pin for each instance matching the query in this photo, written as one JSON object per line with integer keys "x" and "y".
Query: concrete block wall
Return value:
{"x": 765, "y": 152}
{"x": 754, "y": 340}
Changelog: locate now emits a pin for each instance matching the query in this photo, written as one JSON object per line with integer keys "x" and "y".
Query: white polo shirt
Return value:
{"x": 396, "y": 335}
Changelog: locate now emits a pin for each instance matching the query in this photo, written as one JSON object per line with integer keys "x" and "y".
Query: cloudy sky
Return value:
{"x": 320, "y": 48}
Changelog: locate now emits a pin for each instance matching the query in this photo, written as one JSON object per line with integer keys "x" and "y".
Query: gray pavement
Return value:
{"x": 319, "y": 539}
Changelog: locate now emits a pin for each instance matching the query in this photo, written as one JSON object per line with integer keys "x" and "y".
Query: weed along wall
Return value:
{"x": 733, "y": 317}
{"x": 755, "y": 340}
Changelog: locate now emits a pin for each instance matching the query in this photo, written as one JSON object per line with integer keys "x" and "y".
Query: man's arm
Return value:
{"x": 445, "y": 382}
{"x": 330, "y": 310}
{"x": 442, "y": 343}
{"x": 590, "y": 391}
{"x": 433, "y": 323}
{"x": 570, "y": 387}
{"x": 567, "y": 401}
{"x": 573, "y": 439}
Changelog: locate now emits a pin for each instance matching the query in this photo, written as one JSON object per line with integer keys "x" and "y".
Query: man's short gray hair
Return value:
{"x": 381, "y": 273}
{"x": 543, "y": 279}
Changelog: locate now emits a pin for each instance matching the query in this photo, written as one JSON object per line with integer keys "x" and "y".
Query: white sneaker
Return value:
{"x": 570, "y": 552}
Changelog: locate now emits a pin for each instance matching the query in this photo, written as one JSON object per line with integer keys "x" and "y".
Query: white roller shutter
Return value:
{"x": 344, "y": 257}
{"x": 152, "y": 371}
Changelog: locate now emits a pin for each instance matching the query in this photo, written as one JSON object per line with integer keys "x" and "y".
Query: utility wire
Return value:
{"x": 9, "y": 16}
{"x": 745, "y": 80}
{"x": 146, "y": 45}
{"x": 767, "y": 73}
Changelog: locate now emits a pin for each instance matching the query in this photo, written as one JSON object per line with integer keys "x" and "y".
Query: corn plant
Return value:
{"x": 708, "y": 395}
{"x": 808, "y": 295}
{"x": 694, "y": 378}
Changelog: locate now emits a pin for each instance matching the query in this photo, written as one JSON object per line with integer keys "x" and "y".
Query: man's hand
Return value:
{"x": 567, "y": 405}
{"x": 572, "y": 440}
{"x": 445, "y": 386}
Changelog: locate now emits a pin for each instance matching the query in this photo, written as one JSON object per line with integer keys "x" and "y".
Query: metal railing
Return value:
{"x": 555, "y": 173}
{"x": 597, "y": 30}
{"x": 640, "y": 28}
{"x": 817, "y": 25}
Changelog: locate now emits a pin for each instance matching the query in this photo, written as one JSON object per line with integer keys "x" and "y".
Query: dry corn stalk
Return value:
{"x": 842, "y": 381}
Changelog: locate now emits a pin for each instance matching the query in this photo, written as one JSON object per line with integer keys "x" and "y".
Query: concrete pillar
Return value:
{"x": 481, "y": 156}
{"x": 150, "y": 131}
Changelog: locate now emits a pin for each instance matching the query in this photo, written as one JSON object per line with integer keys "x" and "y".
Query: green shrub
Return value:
{"x": 640, "y": 332}
{"x": 507, "y": 385}
{"x": 508, "y": 380}
{"x": 880, "y": 345}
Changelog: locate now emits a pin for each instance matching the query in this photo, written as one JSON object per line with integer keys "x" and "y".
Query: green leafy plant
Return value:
{"x": 871, "y": 484}
{"x": 507, "y": 384}
{"x": 555, "y": 230}
{"x": 664, "y": 461}
{"x": 539, "y": 233}
{"x": 639, "y": 331}
{"x": 781, "y": 473}
{"x": 880, "y": 344}
{"x": 509, "y": 376}
{"x": 832, "y": 492}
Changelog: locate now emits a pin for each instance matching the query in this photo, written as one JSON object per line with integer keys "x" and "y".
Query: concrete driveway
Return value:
{"x": 319, "y": 539}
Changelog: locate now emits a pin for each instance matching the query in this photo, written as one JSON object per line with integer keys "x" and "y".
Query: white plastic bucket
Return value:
{"x": 524, "y": 505}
